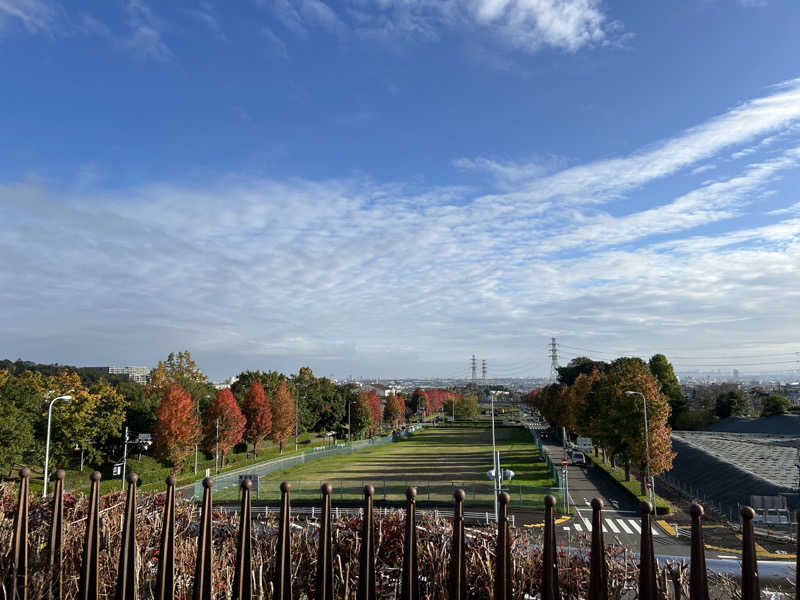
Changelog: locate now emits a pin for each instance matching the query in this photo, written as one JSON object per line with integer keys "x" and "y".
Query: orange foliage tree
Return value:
{"x": 223, "y": 411}
{"x": 393, "y": 411}
{"x": 177, "y": 428}
{"x": 374, "y": 404}
{"x": 256, "y": 409}
{"x": 283, "y": 415}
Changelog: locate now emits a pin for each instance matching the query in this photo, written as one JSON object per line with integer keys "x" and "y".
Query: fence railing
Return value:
{"x": 554, "y": 471}
{"x": 231, "y": 478}
{"x": 16, "y": 584}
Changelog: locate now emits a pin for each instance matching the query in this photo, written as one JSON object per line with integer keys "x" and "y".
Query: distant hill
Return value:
{"x": 88, "y": 375}
{"x": 777, "y": 425}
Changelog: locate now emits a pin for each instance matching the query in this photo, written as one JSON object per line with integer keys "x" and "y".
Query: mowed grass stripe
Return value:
{"x": 435, "y": 460}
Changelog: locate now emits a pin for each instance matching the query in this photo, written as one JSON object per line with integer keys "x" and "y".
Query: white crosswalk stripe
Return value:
{"x": 624, "y": 527}
{"x": 635, "y": 525}
{"x": 577, "y": 527}
{"x": 610, "y": 523}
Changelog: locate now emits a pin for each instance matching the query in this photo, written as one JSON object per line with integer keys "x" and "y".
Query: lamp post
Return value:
{"x": 649, "y": 480}
{"x": 47, "y": 446}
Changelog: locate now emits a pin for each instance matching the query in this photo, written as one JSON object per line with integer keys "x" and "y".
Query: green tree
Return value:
{"x": 180, "y": 368}
{"x": 141, "y": 414}
{"x": 16, "y": 432}
{"x": 467, "y": 406}
{"x": 360, "y": 414}
{"x": 731, "y": 403}
{"x": 670, "y": 387}
{"x": 577, "y": 366}
{"x": 775, "y": 404}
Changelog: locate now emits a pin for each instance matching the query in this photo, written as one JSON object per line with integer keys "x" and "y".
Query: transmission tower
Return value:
{"x": 483, "y": 371}
{"x": 553, "y": 360}
{"x": 474, "y": 363}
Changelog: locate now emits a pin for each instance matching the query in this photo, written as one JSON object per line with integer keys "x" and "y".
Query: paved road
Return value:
{"x": 622, "y": 522}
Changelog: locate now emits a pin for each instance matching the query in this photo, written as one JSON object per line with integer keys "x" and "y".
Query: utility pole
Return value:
{"x": 553, "y": 360}
{"x": 216, "y": 454}
{"x": 296, "y": 407}
{"x": 124, "y": 457}
{"x": 348, "y": 420}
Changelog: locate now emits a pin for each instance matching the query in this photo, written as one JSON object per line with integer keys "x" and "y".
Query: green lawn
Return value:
{"x": 435, "y": 460}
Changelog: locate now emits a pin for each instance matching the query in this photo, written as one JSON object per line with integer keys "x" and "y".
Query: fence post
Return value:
{"x": 165, "y": 579}
{"x": 698, "y": 585}
{"x": 797, "y": 565}
{"x": 750, "y": 585}
{"x": 647, "y": 562}
{"x": 56, "y": 585}
{"x": 549, "y": 565}
{"x": 18, "y": 580}
{"x": 202, "y": 567}
{"x": 242, "y": 581}
{"x": 458, "y": 567}
{"x": 126, "y": 570}
{"x": 409, "y": 589}
{"x": 598, "y": 576}
{"x": 325, "y": 553}
{"x": 283, "y": 555}
{"x": 366, "y": 567}
{"x": 502, "y": 573}
{"x": 91, "y": 543}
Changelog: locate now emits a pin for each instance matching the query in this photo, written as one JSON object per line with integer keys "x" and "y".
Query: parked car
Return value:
{"x": 578, "y": 458}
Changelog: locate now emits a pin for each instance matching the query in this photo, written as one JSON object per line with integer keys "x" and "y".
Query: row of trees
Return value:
{"x": 590, "y": 400}
{"x": 181, "y": 407}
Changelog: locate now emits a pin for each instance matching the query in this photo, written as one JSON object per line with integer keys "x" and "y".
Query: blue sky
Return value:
{"x": 384, "y": 187}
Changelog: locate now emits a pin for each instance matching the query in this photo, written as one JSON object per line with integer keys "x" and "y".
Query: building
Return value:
{"x": 137, "y": 374}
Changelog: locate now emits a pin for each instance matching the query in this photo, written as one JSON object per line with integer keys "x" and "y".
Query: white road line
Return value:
{"x": 624, "y": 527}
{"x": 610, "y": 524}
{"x": 577, "y": 527}
{"x": 654, "y": 530}
{"x": 588, "y": 523}
{"x": 635, "y": 525}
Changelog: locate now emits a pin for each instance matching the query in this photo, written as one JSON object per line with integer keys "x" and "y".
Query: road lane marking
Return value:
{"x": 623, "y": 526}
{"x": 610, "y": 524}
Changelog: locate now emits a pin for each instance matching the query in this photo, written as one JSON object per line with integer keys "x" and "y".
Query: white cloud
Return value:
{"x": 37, "y": 16}
{"x": 600, "y": 180}
{"x": 145, "y": 38}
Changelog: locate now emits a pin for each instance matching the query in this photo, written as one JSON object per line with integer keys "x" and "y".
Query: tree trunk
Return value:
{"x": 596, "y": 451}
{"x": 627, "y": 469}
{"x": 280, "y": 447}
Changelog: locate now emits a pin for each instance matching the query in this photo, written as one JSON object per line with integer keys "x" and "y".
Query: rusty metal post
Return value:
{"x": 324, "y": 589}
{"x": 165, "y": 578}
{"x": 202, "y": 568}
{"x": 549, "y": 565}
{"x": 751, "y": 589}
{"x": 88, "y": 586}
{"x": 366, "y": 566}
{"x": 17, "y": 585}
{"x": 283, "y": 555}
{"x": 410, "y": 583}
{"x": 698, "y": 584}
{"x": 502, "y": 572}
{"x": 647, "y": 562}
{"x": 242, "y": 581}
{"x": 57, "y": 539}
{"x": 458, "y": 565}
{"x": 598, "y": 575}
{"x": 126, "y": 570}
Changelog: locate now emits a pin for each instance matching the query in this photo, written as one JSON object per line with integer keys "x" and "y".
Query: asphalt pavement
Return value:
{"x": 621, "y": 518}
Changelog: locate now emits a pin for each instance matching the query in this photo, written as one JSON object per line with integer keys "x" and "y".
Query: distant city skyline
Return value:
{"x": 383, "y": 189}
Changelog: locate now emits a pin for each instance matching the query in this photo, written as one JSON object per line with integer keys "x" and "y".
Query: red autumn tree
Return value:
{"x": 283, "y": 415}
{"x": 256, "y": 409}
{"x": 374, "y": 404}
{"x": 225, "y": 411}
{"x": 402, "y": 401}
{"x": 177, "y": 428}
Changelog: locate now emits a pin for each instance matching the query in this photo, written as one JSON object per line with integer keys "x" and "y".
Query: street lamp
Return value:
{"x": 47, "y": 446}
{"x": 648, "y": 479}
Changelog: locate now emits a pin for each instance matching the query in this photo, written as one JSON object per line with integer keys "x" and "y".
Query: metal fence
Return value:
{"x": 16, "y": 585}
{"x": 393, "y": 490}
{"x": 554, "y": 471}
{"x": 231, "y": 478}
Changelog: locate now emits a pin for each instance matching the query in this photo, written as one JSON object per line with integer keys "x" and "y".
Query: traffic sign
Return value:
{"x": 649, "y": 485}
{"x": 563, "y": 462}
